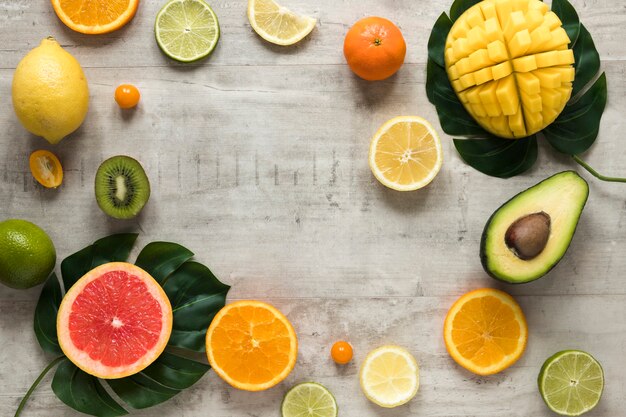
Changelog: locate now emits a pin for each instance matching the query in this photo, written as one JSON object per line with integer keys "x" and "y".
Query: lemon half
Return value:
{"x": 389, "y": 376}
{"x": 405, "y": 153}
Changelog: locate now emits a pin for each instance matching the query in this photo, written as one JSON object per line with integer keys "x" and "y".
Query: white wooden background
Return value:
{"x": 257, "y": 159}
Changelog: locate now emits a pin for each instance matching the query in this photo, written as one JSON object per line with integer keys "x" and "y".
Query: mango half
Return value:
{"x": 508, "y": 62}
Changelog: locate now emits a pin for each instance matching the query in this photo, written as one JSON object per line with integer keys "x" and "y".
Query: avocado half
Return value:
{"x": 560, "y": 199}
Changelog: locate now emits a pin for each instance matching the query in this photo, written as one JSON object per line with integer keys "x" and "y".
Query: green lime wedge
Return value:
{"x": 309, "y": 399}
{"x": 187, "y": 30}
{"x": 571, "y": 382}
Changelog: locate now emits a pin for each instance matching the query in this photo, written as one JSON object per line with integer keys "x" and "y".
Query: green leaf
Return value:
{"x": 576, "y": 128}
{"x": 114, "y": 248}
{"x": 176, "y": 372}
{"x": 196, "y": 296}
{"x": 159, "y": 382}
{"x": 454, "y": 119}
{"x": 460, "y": 6}
{"x": 586, "y": 61}
{"x": 140, "y": 391}
{"x": 83, "y": 392}
{"x": 566, "y": 12}
{"x": 437, "y": 40}
{"x": 45, "y": 322}
{"x": 76, "y": 265}
{"x": 160, "y": 259}
{"x": 503, "y": 158}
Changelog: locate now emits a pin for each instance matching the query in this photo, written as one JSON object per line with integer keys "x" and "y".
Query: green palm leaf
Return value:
{"x": 196, "y": 296}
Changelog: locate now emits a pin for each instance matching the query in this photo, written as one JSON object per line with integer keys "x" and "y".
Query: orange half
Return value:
{"x": 251, "y": 345}
{"x": 95, "y": 17}
{"x": 485, "y": 331}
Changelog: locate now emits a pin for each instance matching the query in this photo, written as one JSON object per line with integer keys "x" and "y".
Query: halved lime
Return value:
{"x": 571, "y": 382}
{"x": 186, "y": 30}
{"x": 309, "y": 399}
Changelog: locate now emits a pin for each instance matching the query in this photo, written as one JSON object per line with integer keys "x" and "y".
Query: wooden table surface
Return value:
{"x": 258, "y": 162}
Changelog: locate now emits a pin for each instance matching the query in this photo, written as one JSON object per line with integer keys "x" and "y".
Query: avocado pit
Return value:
{"x": 528, "y": 236}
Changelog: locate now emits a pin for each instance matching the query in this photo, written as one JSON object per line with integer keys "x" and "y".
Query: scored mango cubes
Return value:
{"x": 509, "y": 63}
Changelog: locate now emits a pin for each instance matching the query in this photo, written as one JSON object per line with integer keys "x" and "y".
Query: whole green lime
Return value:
{"x": 27, "y": 254}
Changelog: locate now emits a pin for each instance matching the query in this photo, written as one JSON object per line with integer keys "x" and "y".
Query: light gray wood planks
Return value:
{"x": 555, "y": 322}
{"x": 25, "y": 22}
{"x": 257, "y": 158}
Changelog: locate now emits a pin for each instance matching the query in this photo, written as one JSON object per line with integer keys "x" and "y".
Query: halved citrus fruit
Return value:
{"x": 95, "y": 17}
{"x": 114, "y": 321}
{"x": 251, "y": 345}
{"x": 405, "y": 153}
{"x": 186, "y": 30}
{"x": 571, "y": 382}
{"x": 46, "y": 168}
{"x": 485, "y": 331}
{"x": 389, "y": 376}
{"x": 277, "y": 24}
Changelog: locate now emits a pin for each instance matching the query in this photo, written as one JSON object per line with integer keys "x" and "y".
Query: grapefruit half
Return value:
{"x": 115, "y": 321}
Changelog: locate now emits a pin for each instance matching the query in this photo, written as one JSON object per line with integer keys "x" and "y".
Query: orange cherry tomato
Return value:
{"x": 341, "y": 352}
{"x": 46, "y": 168}
{"x": 127, "y": 96}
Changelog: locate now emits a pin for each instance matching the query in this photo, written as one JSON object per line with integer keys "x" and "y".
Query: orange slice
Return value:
{"x": 95, "y": 17}
{"x": 485, "y": 331}
{"x": 251, "y": 345}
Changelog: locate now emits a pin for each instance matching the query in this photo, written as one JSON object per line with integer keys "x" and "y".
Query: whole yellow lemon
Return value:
{"x": 50, "y": 93}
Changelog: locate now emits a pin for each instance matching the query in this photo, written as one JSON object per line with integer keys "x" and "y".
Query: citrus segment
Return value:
{"x": 277, "y": 24}
{"x": 405, "y": 153}
{"x": 95, "y": 16}
{"x": 187, "y": 30}
{"x": 485, "y": 331}
{"x": 115, "y": 321}
{"x": 389, "y": 376}
{"x": 251, "y": 345}
{"x": 571, "y": 382}
{"x": 309, "y": 399}
{"x": 46, "y": 168}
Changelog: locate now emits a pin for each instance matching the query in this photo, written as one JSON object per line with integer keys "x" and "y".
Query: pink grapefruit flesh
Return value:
{"x": 115, "y": 321}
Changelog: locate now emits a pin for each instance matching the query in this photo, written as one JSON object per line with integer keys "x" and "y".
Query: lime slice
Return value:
{"x": 186, "y": 30}
{"x": 309, "y": 399}
{"x": 571, "y": 382}
{"x": 277, "y": 24}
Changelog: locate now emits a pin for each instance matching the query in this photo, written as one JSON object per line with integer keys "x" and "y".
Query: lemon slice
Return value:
{"x": 276, "y": 24}
{"x": 405, "y": 153}
{"x": 389, "y": 376}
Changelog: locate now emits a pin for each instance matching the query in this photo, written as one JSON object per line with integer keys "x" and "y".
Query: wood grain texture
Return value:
{"x": 257, "y": 159}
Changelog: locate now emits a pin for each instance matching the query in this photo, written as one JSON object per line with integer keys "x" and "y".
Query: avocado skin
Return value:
{"x": 484, "y": 256}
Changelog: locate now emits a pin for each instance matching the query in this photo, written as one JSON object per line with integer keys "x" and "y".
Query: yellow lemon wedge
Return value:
{"x": 405, "y": 153}
{"x": 389, "y": 376}
{"x": 277, "y": 24}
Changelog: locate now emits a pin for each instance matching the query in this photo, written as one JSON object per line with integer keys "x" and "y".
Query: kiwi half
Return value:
{"x": 122, "y": 187}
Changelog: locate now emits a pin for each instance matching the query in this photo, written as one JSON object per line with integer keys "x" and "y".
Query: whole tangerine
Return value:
{"x": 374, "y": 48}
